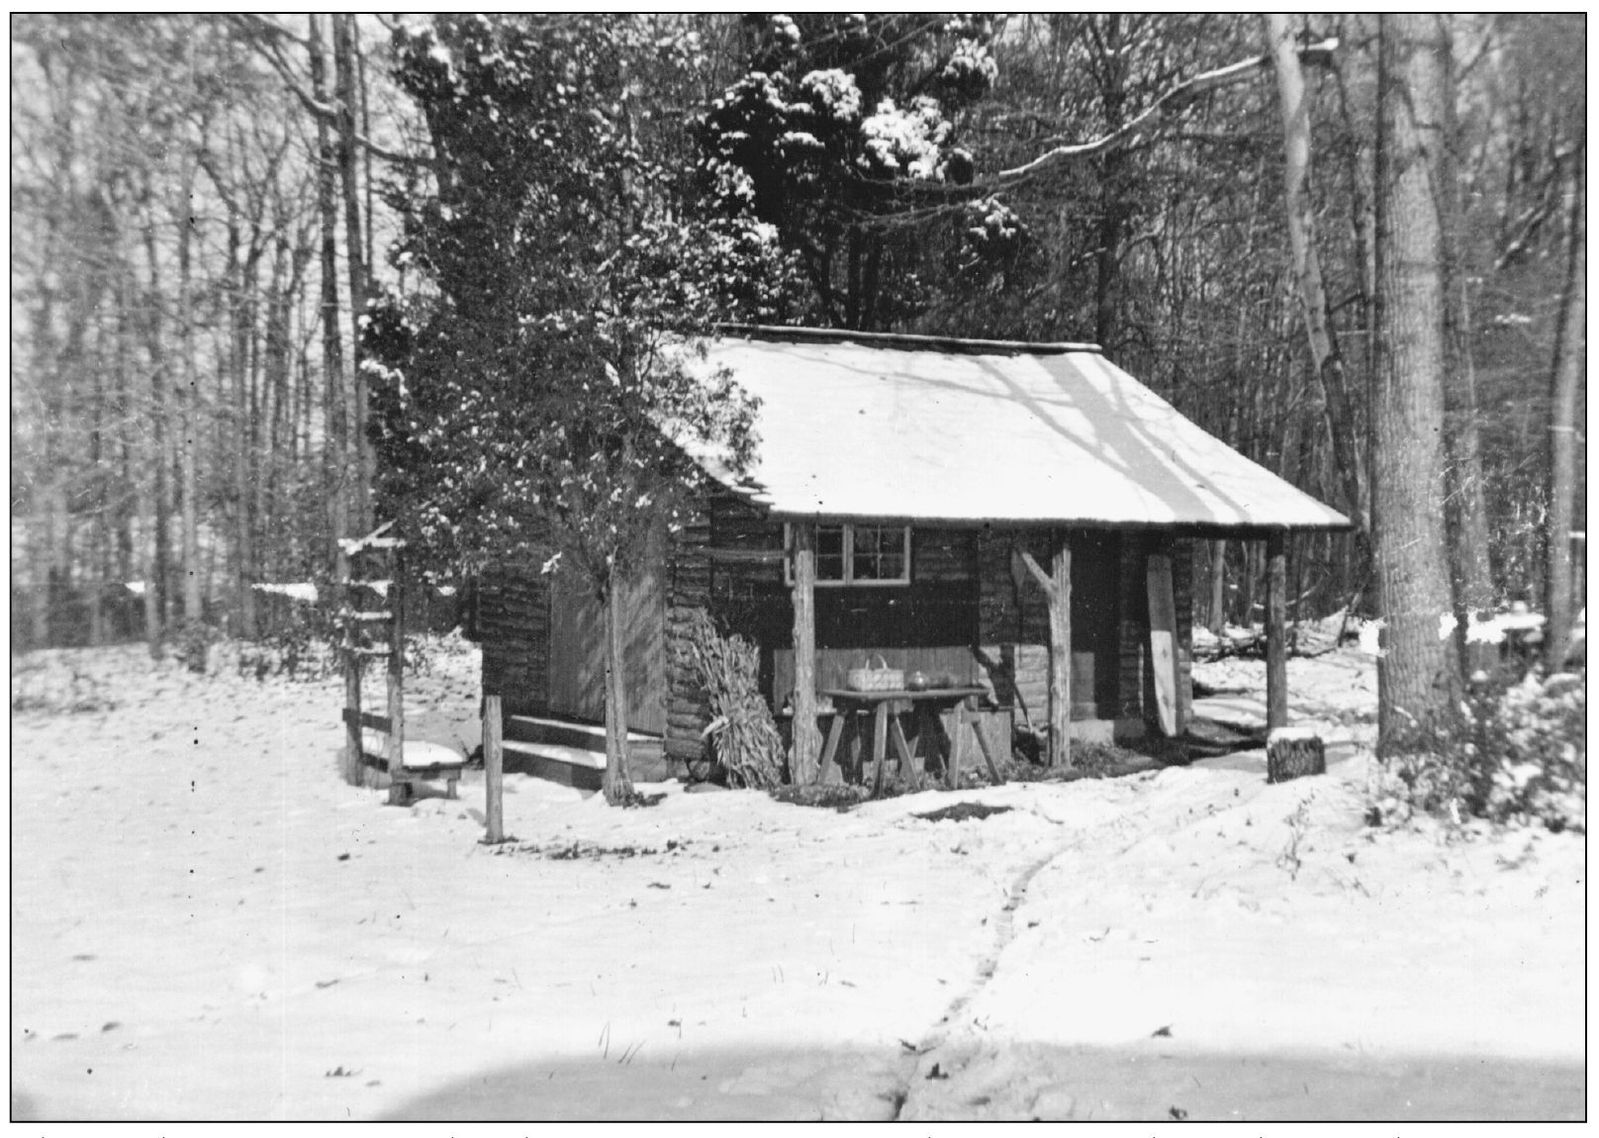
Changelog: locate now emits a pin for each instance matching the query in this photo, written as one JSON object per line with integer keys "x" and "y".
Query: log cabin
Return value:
{"x": 1010, "y": 516}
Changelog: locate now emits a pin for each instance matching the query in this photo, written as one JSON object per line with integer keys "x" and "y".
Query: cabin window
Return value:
{"x": 856, "y": 555}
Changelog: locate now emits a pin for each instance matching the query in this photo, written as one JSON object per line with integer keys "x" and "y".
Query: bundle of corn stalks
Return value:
{"x": 746, "y": 739}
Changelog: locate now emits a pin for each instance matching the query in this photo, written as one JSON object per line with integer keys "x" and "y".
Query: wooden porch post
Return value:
{"x": 1060, "y": 653}
{"x": 807, "y": 737}
{"x": 1057, "y": 586}
{"x": 1276, "y": 631}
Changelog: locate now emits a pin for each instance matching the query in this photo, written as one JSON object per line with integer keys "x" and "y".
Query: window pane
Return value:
{"x": 891, "y": 561}
{"x": 829, "y": 553}
{"x": 878, "y": 553}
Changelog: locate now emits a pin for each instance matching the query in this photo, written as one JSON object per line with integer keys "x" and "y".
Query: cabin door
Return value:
{"x": 577, "y": 654}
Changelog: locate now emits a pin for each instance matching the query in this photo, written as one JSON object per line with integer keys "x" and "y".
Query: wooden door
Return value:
{"x": 577, "y": 654}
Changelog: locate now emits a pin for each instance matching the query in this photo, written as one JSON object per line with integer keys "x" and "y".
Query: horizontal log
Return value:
{"x": 684, "y": 747}
{"x": 374, "y": 722}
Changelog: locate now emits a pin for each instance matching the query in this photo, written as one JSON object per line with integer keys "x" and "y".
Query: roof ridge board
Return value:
{"x": 904, "y": 340}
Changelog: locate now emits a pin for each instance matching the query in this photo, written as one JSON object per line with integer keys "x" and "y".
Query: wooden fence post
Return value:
{"x": 394, "y": 752}
{"x": 493, "y": 772}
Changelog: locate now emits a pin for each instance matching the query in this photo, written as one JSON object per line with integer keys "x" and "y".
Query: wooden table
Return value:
{"x": 927, "y": 705}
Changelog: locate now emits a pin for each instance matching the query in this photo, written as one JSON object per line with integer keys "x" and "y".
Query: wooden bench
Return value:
{"x": 432, "y": 766}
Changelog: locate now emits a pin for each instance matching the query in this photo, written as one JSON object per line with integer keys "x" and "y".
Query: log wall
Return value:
{"x": 513, "y": 616}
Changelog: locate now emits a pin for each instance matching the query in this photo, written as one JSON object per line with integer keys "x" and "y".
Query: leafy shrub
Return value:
{"x": 1516, "y": 753}
{"x": 1536, "y": 762}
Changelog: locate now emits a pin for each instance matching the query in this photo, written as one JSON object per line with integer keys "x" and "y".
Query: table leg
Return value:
{"x": 880, "y": 745}
{"x": 956, "y": 746}
{"x": 833, "y": 732}
{"x": 925, "y": 733}
{"x": 856, "y": 771}
{"x": 907, "y": 759}
{"x": 988, "y": 753}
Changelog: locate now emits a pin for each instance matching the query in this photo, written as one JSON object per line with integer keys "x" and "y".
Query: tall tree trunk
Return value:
{"x": 1113, "y": 208}
{"x": 1218, "y": 586}
{"x": 1466, "y": 513}
{"x": 336, "y": 418}
{"x": 347, "y": 95}
{"x": 238, "y": 332}
{"x": 1566, "y": 379}
{"x": 618, "y": 782}
{"x": 188, "y": 431}
{"x": 1418, "y": 678}
{"x": 1328, "y": 362}
{"x": 158, "y": 607}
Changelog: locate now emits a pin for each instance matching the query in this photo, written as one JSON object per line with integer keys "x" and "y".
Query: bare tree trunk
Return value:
{"x": 347, "y": 95}
{"x": 1112, "y": 181}
{"x": 337, "y": 422}
{"x": 1418, "y": 677}
{"x": 239, "y": 329}
{"x": 157, "y": 607}
{"x": 1566, "y": 378}
{"x": 189, "y": 437}
{"x": 618, "y": 783}
{"x": 1466, "y": 513}
{"x": 1218, "y": 586}
{"x": 1324, "y": 352}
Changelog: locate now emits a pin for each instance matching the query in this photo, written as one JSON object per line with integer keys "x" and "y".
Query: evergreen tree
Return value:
{"x": 535, "y": 396}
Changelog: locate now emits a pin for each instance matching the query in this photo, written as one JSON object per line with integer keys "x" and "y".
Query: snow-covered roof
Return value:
{"x": 916, "y": 429}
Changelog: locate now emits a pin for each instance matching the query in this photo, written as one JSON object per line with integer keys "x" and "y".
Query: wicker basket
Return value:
{"x": 876, "y": 677}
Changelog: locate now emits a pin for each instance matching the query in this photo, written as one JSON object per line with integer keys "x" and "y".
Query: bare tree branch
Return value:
{"x": 1175, "y": 99}
{"x": 268, "y": 50}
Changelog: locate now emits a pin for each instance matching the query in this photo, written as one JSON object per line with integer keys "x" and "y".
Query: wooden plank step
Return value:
{"x": 567, "y": 765}
{"x": 591, "y": 737}
{"x": 521, "y": 758}
{"x": 349, "y": 614}
{"x": 555, "y": 752}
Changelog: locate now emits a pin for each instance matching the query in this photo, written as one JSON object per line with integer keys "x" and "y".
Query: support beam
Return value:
{"x": 1060, "y": 653}
{"x": 1276, "y": 630}
{"x": 1057, "y": 587}
{"x": 803, "y": 766}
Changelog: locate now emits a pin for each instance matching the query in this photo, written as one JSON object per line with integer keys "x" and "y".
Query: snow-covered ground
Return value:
{"x": 207, "y": 923}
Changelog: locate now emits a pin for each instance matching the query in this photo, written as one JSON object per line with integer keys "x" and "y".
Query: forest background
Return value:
{"x": 205, "y": 209}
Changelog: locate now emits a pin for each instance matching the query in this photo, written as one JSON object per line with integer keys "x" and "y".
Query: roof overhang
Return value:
{"x": 923, "y": 430}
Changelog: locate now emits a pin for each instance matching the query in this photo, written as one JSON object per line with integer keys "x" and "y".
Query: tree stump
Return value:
{"x": 1293, "y": 752}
